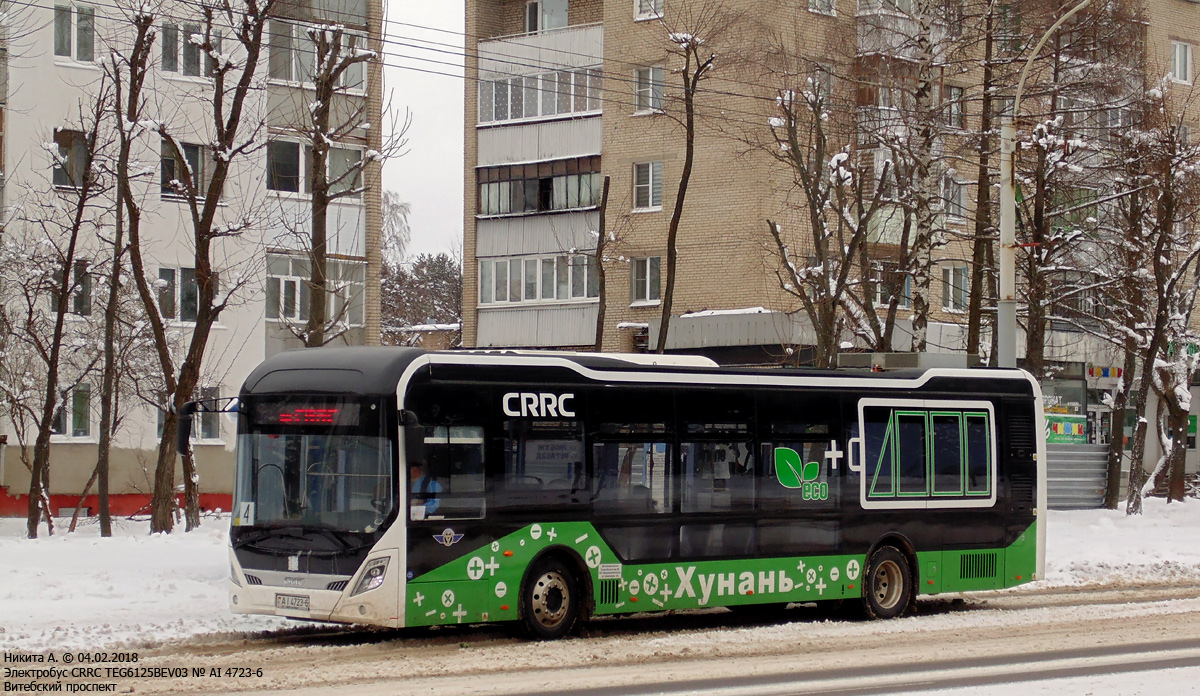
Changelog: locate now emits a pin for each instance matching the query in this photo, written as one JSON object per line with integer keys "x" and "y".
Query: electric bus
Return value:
{"x": 399, "y": 487}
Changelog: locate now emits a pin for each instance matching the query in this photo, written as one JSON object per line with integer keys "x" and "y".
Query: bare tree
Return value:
{"x": 49, "y": 277}
{"x": 234, "y": 133}
{"x": 396, "y": 232}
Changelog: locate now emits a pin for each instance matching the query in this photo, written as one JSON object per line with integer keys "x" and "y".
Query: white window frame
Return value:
{"x": 644, "y": 293}
{"x": 1181, "y": 60}
{"x": 954, "y": 198}
{"x": 956, "y": 288}
{"x": 571, "y": 278}
{"x": 180, "y": 43}
{"x": 73, "y": 13}
{"x": 648, "y": 89}
{"x": 538, "y": 9}
{"x": 651, "y": 174}
{"x": 297, "y": 40}
{"x": 67, "y": 413}
{"x": 304, "y": 184}
{"x": 177, "y": 287}
{"x": 296, "y": 279}
{"x": 823, "y": 7}
{"x": 203, "y": 159}
{"x": 345, "y": 287}
{"x": 905, "y": 292}
{"x": 647, "y": 9}
{"x": 542, "y": 91}
{"x": 953, "y": 107}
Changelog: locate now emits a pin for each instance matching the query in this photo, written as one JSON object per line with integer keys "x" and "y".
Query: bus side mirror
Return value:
{"x": 183, "y": 432}
{"x": 414, "y": 438}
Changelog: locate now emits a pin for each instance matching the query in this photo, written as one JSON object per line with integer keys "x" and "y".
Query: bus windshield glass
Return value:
{"x": 314, "y": 462}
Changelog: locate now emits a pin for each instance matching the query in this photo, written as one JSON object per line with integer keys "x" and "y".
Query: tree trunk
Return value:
{"x": 983, "y": 206}
{"x": 1116, "y": 441}
{"x": 1176, "y": 489}
{"x": 87, "y": 488}
{"x": 601, "y": 246}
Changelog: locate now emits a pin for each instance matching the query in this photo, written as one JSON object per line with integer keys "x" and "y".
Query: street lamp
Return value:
{"x": 1006, "y": 310}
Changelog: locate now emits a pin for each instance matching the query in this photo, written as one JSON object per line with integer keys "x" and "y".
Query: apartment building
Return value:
{"x": 562, "y": 94}
{"x": 54, "y": 67}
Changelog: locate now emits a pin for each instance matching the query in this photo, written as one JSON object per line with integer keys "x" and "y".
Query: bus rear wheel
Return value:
{"x": 550, "y": 602}
{"x": 887, "y": 586}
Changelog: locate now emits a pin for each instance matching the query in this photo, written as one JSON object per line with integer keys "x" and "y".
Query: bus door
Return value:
{"x": 631, "y": 431}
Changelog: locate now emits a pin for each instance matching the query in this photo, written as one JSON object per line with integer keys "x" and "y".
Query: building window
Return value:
{"x": 646, "y": 280}
{"x": 73, "y": 418}
{"x": 538, "y": 188}
{"x": 647, "y": 185}
{"x": 891, "y": 282}
{"x": 194, "y": 158}
{"x": 182, "y": 48}
{"x": 210, "y": 421}
{"x": 538, "y": 278}
{"x": 544, "y": 15}
{"x": 70, "y": 165}
{"x": 79, "y": 291}
{"x": 954, "y": 288}
{"x": 648, "y": 94}
{"x": 83, "y": 20}
{"x": 283, "y": 166}
{"x": 647, "y": 9}
{"x": 954, "y": 197}
{"x": 952, "y": 107}
{"x": 292, "y": 55}
{"x": 558, "y": 93}
{"x": 179, "y": 294}
{"x": 1181, "y": 61}
{"x": 825, "y": 7}
{"x": 286, "y": 166}
{"x": 288, "y": 279}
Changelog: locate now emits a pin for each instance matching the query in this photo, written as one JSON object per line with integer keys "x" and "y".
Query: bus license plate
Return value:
{"x": 283, "y": 601}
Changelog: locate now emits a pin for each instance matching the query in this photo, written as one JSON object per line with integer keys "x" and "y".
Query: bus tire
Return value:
{"x": 550, "y": 600}
{"x": 887, "y": 585}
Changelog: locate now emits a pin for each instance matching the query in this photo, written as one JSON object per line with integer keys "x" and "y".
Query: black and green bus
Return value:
{"x": 399, "y": 487}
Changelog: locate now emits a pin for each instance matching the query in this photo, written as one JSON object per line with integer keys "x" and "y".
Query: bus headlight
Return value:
{"x": 233, "y": 575}
{"x": 372, "y": 576}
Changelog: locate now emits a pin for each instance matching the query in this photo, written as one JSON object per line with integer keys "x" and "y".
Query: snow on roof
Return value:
{"x": 720, "y": 312}
{"x": 432, "y": 327}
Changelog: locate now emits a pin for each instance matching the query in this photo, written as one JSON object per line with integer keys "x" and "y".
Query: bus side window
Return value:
{"x": 631, "y": 477}
{"x": 543, "y": 464}
{"x": 451, "y": 484}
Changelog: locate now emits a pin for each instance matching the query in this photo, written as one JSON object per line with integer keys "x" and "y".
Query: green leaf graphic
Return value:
{"x": 811, "y": 471}
{"x": 788, "y": 467}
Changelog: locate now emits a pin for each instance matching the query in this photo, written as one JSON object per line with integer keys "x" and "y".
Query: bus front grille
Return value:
{"x": 609, "y": 590}
{"x": 337, "y": 586}
{"x": 977, "y": 565}
{"x": 252, "y": 579}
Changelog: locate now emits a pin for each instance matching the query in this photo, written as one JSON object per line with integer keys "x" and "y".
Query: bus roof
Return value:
{"x": 377, "y": 370}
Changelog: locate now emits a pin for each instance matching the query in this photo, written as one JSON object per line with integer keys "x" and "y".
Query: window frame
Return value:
{"x": 70, "y": 173}
{"x": 346, "y": 296}
{"x": 73, "y": 32}
{"x": 652, "y": 185}
{"x": 956, "y": 297}
{"x": 954, "y": 198}
{"x": 203, "y": 160}
{"x": 827, "y": 8}
{"x": 539, "y": 96}
{"x": 1176, "y": 46}
{"x": 304, "y": 182}
{"x": 65, "y": 430}
{"x": 497, "y": 272}
{"x": 978, "y": 498}
{"x": 648, "y": 89}
{"x": 647, "y": 9}
{"x": 642, "y": 273}
{"x": 298, "y": 33}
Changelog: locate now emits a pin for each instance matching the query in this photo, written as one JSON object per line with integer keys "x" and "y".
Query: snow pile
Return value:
{"x": 78, "y": 591}
{"x": 1107, "y": 546}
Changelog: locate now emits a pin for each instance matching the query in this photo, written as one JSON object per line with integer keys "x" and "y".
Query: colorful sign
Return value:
{"x": 1062, "y": 428}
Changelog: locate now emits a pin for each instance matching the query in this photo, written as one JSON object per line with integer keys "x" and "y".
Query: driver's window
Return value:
{"x": 449, "y": 482}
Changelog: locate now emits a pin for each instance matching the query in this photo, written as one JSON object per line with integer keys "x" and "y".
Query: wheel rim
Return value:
{"x": 887, "y": 585}
{"x": 549, "y": 599}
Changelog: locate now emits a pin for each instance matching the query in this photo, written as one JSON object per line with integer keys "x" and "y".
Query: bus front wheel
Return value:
{"x": 550, "y": 601}
{"x": 887, "y": 587}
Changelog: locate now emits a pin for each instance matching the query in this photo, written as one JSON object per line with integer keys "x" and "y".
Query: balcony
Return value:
{"x": 577, "y": 46}
{"x": 887, "y": 32}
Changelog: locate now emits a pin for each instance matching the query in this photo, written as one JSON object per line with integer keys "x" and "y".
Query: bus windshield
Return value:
{"x": 314, "y": 463}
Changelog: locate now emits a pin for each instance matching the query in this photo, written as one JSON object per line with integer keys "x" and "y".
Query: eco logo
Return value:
{"x": 792, "y": 472}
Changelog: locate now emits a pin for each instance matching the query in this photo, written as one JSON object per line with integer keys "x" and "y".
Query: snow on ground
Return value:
{"x": 81, "y": 591}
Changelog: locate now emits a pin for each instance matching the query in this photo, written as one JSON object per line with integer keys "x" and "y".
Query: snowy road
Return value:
{"x": 1130, "y": 636}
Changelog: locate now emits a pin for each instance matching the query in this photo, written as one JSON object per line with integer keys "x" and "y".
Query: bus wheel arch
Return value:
{"x": 889, "y": 583}
{"x": 560, "y": 571}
